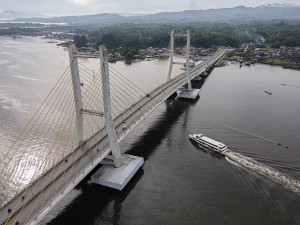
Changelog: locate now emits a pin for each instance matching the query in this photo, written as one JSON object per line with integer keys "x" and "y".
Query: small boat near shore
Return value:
{"x": 209, "y": 143}
{"x": 268, "y": 92}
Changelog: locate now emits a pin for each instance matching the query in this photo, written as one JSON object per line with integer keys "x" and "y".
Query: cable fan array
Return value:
{"x": 49, "y": 136}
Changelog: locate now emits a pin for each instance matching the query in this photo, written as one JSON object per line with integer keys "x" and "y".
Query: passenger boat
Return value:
{"x": 209, "y": 143}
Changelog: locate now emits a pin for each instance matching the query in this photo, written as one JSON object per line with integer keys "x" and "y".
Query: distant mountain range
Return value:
{"x": 240, "y": 13}
{"x": 10, "y": 15}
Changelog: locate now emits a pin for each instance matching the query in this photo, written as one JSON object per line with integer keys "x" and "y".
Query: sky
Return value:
{"x": 84, "y": 7}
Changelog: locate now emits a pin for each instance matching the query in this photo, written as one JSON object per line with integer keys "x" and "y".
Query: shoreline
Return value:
{"x": 226, "y": 63}
{"x": 284, "y": 66}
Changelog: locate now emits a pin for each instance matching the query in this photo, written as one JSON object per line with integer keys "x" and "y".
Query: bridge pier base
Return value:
{"x": 186, "y": 94}
{"x": 117, "y": 178}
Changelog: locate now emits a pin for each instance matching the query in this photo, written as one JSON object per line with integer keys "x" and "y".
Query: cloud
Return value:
{"x": 81, "y": 2}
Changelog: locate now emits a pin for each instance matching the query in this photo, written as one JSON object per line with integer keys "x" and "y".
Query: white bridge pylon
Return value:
{"x": 112, "y": 136}
{"x": 111, "y": 131}
{"x": 114, "y": 145}
{"x": 189, "y": 93}
{"x": 125, "y": 166}
{"x": 77, "y": 96}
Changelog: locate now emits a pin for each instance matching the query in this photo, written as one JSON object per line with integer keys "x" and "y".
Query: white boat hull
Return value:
{"x": 209, "y": 146}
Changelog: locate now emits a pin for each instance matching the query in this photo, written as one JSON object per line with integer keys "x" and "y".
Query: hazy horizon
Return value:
{"x": 85, "y": 7}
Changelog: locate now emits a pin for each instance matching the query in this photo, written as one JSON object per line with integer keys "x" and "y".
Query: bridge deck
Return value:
{"x": 45, "y": 192}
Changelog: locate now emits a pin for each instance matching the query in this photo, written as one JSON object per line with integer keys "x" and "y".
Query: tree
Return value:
{"x": 80, "y": 40}
{"x": 129, "y": 53}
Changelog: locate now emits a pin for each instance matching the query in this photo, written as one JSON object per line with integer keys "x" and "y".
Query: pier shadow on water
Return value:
{"x": 152, "y": 138}
{"x": 96, "y": 204}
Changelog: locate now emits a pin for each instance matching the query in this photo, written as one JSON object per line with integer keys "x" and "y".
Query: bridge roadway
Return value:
{"x": 42, "y": 195}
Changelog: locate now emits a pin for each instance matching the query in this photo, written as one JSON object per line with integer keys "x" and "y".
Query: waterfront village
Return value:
{"x": 287, "y": 57}
{"x": 150, "y": 53}
{"x": 245, "y": 54}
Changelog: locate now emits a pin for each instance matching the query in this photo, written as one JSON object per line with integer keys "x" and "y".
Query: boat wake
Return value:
{"x": 266, "y": 171}
{"x": 289, "y": 85}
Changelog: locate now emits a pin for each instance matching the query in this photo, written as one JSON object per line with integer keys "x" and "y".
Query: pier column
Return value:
{"x": 187, "y": 67}
{"x": 112, "y": 135}
{"x": 171, "y": 56}
{"x": 77, "y": 96}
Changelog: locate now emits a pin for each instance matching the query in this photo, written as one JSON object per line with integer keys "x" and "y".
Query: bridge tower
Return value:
{"x": 112, "y": 136}
{"x": 188, "y": 93}
{"x": 187, "y": 64}
{"x": 171, "y": 56}
{"x": 77, "y": 96}
{"x": 124, "y": 166}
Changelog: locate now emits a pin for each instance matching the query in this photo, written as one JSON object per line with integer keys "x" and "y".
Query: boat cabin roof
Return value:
{"x": 216, "y": 143}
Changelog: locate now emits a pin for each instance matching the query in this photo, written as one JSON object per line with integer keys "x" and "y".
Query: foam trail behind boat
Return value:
{"x": 266, "y": 171}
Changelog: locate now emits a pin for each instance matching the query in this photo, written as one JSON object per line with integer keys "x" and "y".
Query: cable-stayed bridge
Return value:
{"x": 77, "y": 126}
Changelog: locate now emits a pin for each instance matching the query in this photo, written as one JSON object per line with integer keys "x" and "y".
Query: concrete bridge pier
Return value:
{"x": 116, "y": 171}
